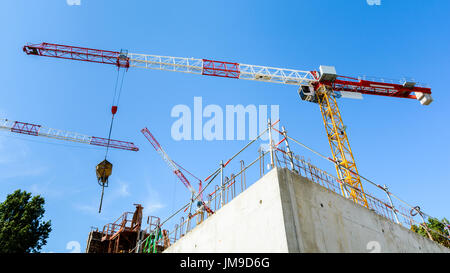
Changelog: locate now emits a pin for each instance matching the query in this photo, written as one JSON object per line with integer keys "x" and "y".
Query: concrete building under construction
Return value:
{"x": 294, "y": 207}
{"x": 286, "y": 210}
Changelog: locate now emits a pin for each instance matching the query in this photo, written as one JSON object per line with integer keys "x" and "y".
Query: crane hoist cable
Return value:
{"x": 114, "y": 106}
{"x": 104, "y": 169}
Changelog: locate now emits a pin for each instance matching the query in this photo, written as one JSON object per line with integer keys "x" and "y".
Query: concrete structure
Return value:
{"x": 284, "y": 212}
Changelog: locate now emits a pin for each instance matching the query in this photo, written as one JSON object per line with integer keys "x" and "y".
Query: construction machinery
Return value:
{"x": 322, "y": 87}
{"x": 176, "y": 170}
{"x": 103, "y": 169}
{"x": 30, "y": 129}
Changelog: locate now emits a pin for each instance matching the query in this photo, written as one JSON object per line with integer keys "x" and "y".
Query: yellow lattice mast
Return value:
{"x": 340, "y": 146}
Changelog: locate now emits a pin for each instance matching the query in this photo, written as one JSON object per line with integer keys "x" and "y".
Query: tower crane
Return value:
{"x": 103, "y": 170}
{"x": 173, "y": 166}
{"x": 38, "y": 130}
{"x": 176, "y": 169}
{"x": 322, "y": 87}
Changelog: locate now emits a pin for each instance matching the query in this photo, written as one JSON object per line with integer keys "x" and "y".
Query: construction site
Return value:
{"x": 275, "y": 193}
{"x": 290, "y": 177}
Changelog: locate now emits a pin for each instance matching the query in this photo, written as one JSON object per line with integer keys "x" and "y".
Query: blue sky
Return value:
{"x": 396, "y": 142}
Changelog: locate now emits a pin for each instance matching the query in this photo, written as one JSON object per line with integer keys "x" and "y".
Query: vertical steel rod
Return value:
{"x": 288, "y": 149}
{"x": 269, "y": 124}
{"x": 221, "y": 184}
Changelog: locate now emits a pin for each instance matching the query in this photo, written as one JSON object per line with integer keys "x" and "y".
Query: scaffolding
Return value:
{"x": 121, "y": 236}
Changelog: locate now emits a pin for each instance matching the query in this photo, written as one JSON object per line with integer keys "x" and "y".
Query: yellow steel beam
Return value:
{"x": 340, "y": 147}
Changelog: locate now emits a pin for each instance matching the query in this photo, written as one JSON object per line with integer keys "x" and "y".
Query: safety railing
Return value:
{"x": 329, "y": 181}
{"x": 393, "y": 81}
{"x": 124, "y": 221}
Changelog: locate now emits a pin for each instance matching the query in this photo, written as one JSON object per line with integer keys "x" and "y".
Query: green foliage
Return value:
{"x": 21, "y": 227}
{"x": 435, "y": 227}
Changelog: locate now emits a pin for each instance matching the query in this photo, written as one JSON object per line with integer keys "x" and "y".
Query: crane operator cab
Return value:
{"x": 307, "y": 93}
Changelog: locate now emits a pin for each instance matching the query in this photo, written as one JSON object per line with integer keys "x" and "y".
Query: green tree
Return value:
{"x": 435, "y": 227}
{"x": 22, "y": 229}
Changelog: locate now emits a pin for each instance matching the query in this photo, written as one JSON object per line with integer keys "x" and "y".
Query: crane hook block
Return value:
{"x": 103, "y": 171}
{"x": 114, "y": 110}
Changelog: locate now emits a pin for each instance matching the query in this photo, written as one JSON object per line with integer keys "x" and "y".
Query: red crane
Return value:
{"x": 167, "y": 159}
{"x": 176, "y": 169}
{"x": 391, "y": 88}
{"x": 322, "y": 87}
{"x": 38, "y": 130}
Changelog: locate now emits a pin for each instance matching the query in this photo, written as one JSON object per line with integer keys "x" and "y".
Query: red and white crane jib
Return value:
{"x": 221, "y": 69}
{"x": 167, "y": 159}
{"x": 234, "y": 70}
{"x": 380, "y": 87}
{"x": 77, "y": 53}
{"x": 38, "y": 130}
{"x": 280, "y": 75}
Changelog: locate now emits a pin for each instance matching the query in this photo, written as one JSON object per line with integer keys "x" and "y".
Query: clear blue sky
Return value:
{"x": 395, "y": 141}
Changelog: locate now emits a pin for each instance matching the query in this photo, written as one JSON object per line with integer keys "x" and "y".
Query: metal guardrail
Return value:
{"x": 124, "y": 221}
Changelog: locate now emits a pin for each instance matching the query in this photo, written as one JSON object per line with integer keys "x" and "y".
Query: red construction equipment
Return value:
{"x": 172, "y": 165}
{"x": 121, "y": 236}
{"x": 78, "y": 53}
{"x": 322, "y": 87}
{"x": 391, "y": 88}
{"x": 176, "y": 169}
{"x": 38, "y": 130}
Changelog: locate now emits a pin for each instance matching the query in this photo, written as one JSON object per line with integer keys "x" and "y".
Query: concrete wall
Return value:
{"x": 319, "y": 220}
{"x": 284, "y": 212}
{"x": 251, "y": 222}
